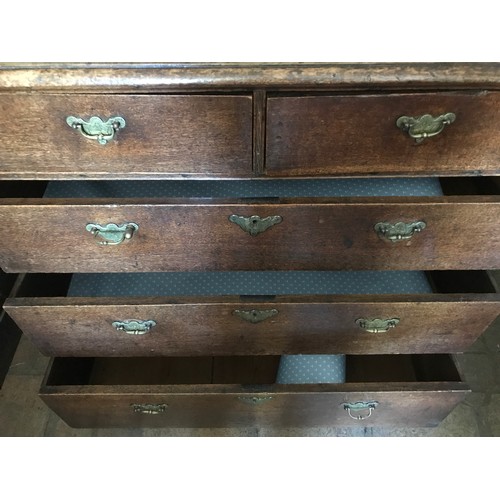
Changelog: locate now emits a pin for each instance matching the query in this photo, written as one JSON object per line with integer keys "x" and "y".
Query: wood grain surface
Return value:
{"x": 194, "y": 326}
{"x": 200, "y": 136}
{"x": 408, "y": 402}
{"x": 357, "y": 135}
{"x": 197, "y": 235}
{"x": 186, "y": 77}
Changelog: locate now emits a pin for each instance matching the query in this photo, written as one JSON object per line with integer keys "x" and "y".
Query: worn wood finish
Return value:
{"x": 315, "y": 234}
{"x": 208, "y": 326}
{"x": 164, "y": 136}
{"x": 403, "y": 402}
{"x": 357, "y": 135}
{"x": 85, "y": 77}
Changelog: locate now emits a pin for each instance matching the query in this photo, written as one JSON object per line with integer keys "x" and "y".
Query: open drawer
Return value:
{"x": 373, "y": 224}
{"x": 186, "y": 314}
{"x": 401, "y": 391}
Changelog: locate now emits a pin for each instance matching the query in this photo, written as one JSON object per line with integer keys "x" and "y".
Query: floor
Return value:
{"x": 22, "y": 413}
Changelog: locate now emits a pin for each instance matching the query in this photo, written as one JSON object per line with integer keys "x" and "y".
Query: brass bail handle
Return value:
{"x": 134, "y": 326}
{"x": 112, "y": 234}
{"x": 422, "y": 127}
{"x": 97, "y": 129}
{"x": 360, "y": 406}
{"x": 149, "y": 408}
{"x": 398, "y": 231}
{"x": 377, "y": 325}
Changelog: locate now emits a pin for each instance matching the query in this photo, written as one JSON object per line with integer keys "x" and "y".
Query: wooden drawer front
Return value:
{"x": 163, "y": 136}
{"x": 331, "y": 234}
{"x": 287, "y": 325}
{"x": 357, "y": 135}
{"x": 204, "y": 404}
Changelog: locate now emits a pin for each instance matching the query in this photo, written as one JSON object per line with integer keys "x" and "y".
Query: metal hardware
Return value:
{"x": 97, "y": 129}
{"x": 255, "y": 225}
{"x": 255, "y": 400}
{"x": 421, "y": 127}
{"x": 254, "y": 315}
{"x": 361, "y": 406}
{"x": 134, "y": 326}
{"x": 377, "y": 325}
{"x": 399, "y": 231}
{"x": 112, "y": 234}
{"x": 149, "y": 408}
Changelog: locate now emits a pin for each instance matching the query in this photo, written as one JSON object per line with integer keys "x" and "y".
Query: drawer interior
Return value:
{"x": 254, "y": 188}
{"x": 240, "y": 370}
{"x": 254, "y": 286}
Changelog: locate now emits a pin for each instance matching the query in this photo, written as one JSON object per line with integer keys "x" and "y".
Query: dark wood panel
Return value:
{"x": 403, "y": 407}
{"x": 357, "y": 135}
{"x": 164, "y": 135}
{"x": 324, "y": 234}
{"x": 307, "y": 325}
{"x": 399, "y": 405}
{"x": 403, "y": 399}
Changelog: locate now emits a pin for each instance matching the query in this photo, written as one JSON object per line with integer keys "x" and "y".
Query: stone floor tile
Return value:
{"x": 463, "y": 420}
{"x": 22, "y": 412}
{"x": 58, "y": 428}
{"x": 489, "y": 416}
{"x": 313, "y": 432}
{"x": 28, "y": 360}
{"x": 202, "y": 432}
{"x": 478, "y": 371}
{"x": 491, "y": 337}
{"x": 116, "y": 432}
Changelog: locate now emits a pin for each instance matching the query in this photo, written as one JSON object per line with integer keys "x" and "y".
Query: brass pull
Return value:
{"x": 112, "y": 234}
{"x": 255, "y": 400}
{"x": 421, "y": 127}
{"x": 149, "y": 408}
{"x": 254, "y": 315}
{"x": 361, "y": 406}
{"x": 377, "y": 325}
{"x": 134, "y": 326}
{"x": 398, "y": 231}
{"x": 96, "y": 129}
{"x": 254, "y": 224}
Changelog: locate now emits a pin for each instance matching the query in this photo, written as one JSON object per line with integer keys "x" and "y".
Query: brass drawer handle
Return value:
{"x": 112, "y": 234}
{"x": 255, "y": 400}
{"x": 97, "y": 129}
{"x": 134, "y": 326}
{"x": 149, "y": 408}
{"x": 254, "y": 224}
{"x": 421, "y": 127}
{"x": 361, "y": 406}
{"x": 254, "y": 315}
{"x": 377, "y": 325}
{"x": 398, "y": 231}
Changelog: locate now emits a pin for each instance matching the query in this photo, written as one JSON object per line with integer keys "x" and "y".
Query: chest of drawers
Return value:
{"x": 161, "y": 173}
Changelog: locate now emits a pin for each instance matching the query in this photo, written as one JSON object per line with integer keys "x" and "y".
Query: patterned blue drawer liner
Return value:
{"x": 250, "y": 188}
{"x": 294, "y": 369}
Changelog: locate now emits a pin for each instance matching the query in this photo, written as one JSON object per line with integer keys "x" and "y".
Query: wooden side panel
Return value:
{"x": 357, "y": 135}
{"x": 164, "y": 136}
{"x": 333, "y": 234}
{"x": 399, "y": 405}
{"x": 304, "y": 325}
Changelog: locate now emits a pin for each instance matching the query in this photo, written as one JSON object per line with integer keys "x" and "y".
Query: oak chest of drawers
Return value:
{"x": 349, "y": 179}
